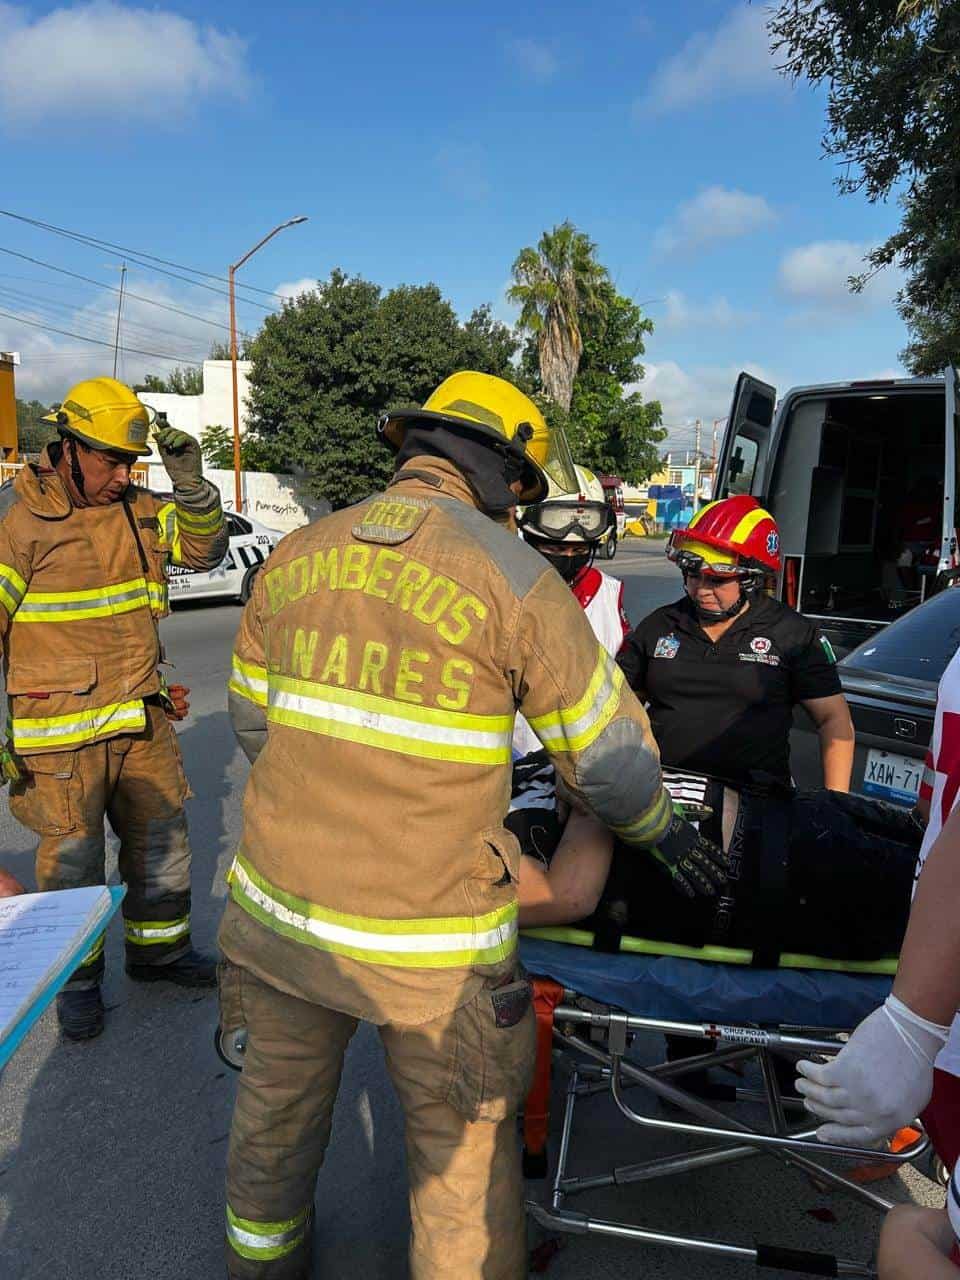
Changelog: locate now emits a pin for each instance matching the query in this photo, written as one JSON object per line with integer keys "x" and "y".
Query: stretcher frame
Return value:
{"x": 597, "y": 1068}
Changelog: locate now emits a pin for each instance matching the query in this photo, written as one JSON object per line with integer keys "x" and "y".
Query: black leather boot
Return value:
{"x": 80, "y": 1013}
{"x": 192, "y": 969}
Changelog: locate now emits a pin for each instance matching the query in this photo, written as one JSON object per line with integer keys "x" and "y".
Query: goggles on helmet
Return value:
{"x": 688, "y": 562}
{"x": 556, "y": 519}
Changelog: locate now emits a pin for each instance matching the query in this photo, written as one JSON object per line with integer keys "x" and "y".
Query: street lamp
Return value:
{"x": 291, "y": 222}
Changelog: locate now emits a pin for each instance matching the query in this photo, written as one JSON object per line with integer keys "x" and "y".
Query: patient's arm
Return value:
{"x": 569, "y": 889}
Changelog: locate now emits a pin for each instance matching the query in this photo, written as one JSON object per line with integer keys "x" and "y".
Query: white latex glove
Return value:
{"x": 880, "y": 1080}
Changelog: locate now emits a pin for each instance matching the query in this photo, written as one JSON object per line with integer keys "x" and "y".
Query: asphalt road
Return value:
{"x": 112, "y": 1153}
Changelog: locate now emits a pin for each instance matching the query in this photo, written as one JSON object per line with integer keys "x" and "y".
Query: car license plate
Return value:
{"x": 891, "y": 777}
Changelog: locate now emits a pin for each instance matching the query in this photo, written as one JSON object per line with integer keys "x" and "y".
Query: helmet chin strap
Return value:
{"x": 723, "y": 615}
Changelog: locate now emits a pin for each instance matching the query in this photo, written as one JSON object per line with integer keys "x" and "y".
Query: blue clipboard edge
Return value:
{"x": 20, "y": 1030}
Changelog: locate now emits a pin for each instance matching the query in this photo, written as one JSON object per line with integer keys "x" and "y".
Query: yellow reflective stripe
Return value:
{"x": 167, "y": 519}
{"x": 698, "y": 515}
{"x": 264, "y": 1241}
{"x": 95, "y": 602}
{"x": 746, "y": 526}
{"x": 74, "y": 730}
{"x": 451, "y": 942}
{"x": 146, "y": 933}
{"x": 651, "y": 825}
{"x": 207, "y": 522}
{"x": 12, "y": 588}
{"x": 249, "y": 681}
{"x": 95, "y": 952}
{"x": 575, "y": 728}
{"x": 159, "y": 596}
{"x": 380, "y": 722}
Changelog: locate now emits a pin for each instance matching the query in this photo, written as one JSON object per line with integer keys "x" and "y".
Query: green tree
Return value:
{"x": 558, "y": 286}
{"x": 892, "y": 71}
{"x": 32, "y": 434}
{"x": 183, "y": 381}
{"x": 221, "y": 350}
{"x": 610, "y": 427}
{"x": 216, "y": 445}
{"x": 331, "y": 361}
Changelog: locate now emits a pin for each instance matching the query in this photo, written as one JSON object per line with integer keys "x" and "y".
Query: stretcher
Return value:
{"x": 591, "y": 1005}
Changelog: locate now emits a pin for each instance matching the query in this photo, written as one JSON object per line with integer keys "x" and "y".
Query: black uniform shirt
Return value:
{"x": 726, "y": 709}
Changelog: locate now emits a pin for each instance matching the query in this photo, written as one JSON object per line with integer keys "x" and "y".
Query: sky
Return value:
{"x": 427, "y": 142}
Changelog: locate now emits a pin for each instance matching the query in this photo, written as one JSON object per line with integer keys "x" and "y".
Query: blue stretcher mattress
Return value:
{"x": 680, "y": 990}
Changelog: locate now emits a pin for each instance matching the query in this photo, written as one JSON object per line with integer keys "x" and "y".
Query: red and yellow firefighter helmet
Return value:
{"x": 732, "y": 532}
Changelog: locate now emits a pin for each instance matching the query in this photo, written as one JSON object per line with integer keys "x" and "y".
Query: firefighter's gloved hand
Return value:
{"x": 174, "y": 700}
{"x": 180, "y": 454}
{"x": 695, "y": 865}
{"x": 880, "y": 1080}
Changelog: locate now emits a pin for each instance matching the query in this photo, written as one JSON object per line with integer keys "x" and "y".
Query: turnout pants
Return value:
{"x": 460, "y": 1080}
{"x": 137, "y": 782}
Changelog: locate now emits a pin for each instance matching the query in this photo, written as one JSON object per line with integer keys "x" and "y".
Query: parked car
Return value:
{"x": 890, "y": 682}
{"x": 860, "y": 477}
{"x": 250, "y": 544}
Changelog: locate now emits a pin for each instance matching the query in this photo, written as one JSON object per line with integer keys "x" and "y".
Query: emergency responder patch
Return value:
{"x": 392, "y": 520}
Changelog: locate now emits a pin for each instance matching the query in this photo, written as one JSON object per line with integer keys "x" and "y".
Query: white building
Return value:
{"x": 279, "y": 501}
{"x": 213, "y": 407}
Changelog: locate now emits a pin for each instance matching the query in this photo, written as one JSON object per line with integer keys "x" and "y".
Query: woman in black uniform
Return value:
{"x": 722, "y": 669}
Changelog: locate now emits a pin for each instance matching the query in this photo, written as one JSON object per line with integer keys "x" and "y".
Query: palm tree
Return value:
{"x": 556, "y": 284}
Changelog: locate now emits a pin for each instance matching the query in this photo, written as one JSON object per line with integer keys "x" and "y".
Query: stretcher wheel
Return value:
{"x": 231, "y": 1046}
{"x": 534, "y": 1164}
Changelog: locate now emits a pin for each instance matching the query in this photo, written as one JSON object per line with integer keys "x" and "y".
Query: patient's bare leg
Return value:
{"x": 570, "y": 887}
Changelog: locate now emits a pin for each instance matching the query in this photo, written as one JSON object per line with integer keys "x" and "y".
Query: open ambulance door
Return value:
{"x": 745, "y": 458}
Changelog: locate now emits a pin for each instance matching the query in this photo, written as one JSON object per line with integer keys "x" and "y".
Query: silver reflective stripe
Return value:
{"x": 253, "y": 1240}
{"x": 78, "y": 604}
{"x": 155, "y": 932}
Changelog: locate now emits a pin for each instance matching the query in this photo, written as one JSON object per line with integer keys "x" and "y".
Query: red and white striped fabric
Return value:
{"x": 941, "y": 787}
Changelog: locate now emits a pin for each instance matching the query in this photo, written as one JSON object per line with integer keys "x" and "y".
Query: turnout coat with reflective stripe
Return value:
{"x": 80, "y": 592}
{"x": 380, "y": 663}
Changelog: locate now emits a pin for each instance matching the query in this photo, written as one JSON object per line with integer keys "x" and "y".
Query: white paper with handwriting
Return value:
{"x": 39, "y": 934}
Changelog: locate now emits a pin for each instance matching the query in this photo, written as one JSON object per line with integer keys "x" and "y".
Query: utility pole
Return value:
{"x": 696, "y": 465}
{"x": 116, "y": 340}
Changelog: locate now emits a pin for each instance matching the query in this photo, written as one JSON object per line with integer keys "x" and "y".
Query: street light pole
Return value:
{"x": 238, "y": 487}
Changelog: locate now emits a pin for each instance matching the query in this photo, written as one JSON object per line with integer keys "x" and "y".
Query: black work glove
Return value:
{"x": 695, "y": 864}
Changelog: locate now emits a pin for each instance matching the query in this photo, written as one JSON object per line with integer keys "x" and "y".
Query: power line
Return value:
{"x": 135, "y": 254}
{"x": 101, "y": 284}
{"x": 99, "y": 342}
{"x": 81, "y": 311}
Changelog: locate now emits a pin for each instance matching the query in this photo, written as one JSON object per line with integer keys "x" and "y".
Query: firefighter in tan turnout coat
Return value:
{"x": 380, "y": 662}
{"x": 83, "y": 558}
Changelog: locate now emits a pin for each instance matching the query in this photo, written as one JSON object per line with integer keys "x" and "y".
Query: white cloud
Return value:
{"x": 294, "y": 288}
{"x": 715, "y": 213}
{"x": 111, "y": 61}
{"x": 733, "y": 59}
{"x": 715, "y": 313}
{"x": 816, "y": 275}
{"x": 52, "y": 362}
{"x": 702, "y": 391}
{"x": 534, "y": 59}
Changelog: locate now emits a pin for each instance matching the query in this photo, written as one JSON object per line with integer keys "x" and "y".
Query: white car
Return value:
{"x": 250, "y": 544}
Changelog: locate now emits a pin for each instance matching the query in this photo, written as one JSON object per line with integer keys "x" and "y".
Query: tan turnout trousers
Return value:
{"x": 137, "y": 782}
{"x": 460, "y": 1080}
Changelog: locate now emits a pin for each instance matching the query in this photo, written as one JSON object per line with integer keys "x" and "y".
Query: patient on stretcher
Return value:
{"x": 813, "y": 872}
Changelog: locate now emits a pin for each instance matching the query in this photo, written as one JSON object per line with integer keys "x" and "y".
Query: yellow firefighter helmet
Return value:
{"x": 104, "y": 414}
{"x": 487, "y": 406}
